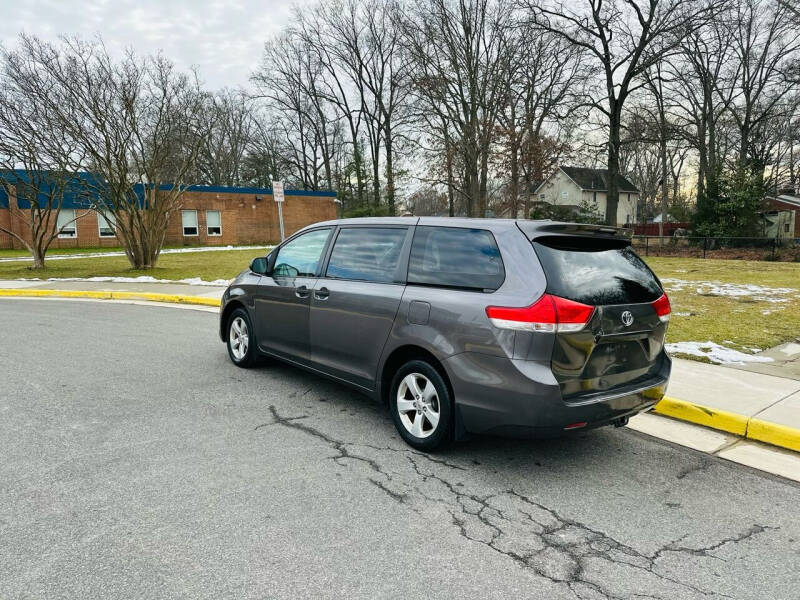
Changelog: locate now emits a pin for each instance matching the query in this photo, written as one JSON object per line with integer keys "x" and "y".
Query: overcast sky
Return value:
{"x": 223, "y": 38}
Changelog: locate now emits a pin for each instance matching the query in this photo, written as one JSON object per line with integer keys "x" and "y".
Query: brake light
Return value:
{"x": 662, "y": 308}
{"x": 548, "y": 314}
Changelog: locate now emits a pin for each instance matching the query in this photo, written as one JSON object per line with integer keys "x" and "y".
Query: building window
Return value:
{"x": 66, "y": 223}
{"x": 106, "y": 227}
{"x": 213, "y": 222}
{"x": 189, "y": 222}
{"x": 786, "y": 227}
{"x": 542, "y": 197}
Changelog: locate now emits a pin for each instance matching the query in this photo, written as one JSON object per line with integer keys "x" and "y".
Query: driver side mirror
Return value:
{"x": 259, "y": 265}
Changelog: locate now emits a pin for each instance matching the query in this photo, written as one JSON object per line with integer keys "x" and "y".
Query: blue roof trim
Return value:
{"x": 85, "y": 192}
{"x": 222, "y": 189}
{"x": 78, "y": 192}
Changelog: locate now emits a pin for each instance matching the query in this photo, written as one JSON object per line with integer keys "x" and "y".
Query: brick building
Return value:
{"x": 210, "y": 216}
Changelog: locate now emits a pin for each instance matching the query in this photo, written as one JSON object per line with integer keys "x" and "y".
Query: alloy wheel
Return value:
{"x": 239, "y": 338}
{"x": 418, "y": 405}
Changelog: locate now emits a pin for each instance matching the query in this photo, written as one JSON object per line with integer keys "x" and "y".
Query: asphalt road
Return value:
{"x": 137, "y": 462}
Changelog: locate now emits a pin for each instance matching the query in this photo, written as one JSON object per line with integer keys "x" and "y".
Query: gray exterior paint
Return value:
{"x": 503, "y": 381}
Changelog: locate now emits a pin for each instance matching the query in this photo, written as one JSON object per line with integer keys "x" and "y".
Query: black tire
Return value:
{"x": 249, "y": 357}
{"x": 405, "y": 420}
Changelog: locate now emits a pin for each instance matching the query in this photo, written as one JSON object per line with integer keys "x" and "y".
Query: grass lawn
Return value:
{"x": 221, "y": 264}
{"x": 743, "y": 305}
{"x": 756, "y": 305}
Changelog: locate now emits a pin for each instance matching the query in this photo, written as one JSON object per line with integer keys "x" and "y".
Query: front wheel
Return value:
{"x": 421, "y": 406}
{"x": 241, "y": 341}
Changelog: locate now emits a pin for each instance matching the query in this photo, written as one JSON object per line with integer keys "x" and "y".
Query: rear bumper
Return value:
{"x": 517, "y": 398}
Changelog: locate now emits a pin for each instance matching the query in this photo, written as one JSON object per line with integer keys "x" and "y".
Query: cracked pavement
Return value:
{"x": 138, "y": 462}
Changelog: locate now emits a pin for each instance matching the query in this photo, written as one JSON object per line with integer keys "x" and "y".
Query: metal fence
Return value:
{"x": 752, "y": 248}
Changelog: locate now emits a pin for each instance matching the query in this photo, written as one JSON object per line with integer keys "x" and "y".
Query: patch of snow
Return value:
{"x": 140, "y": 279}
{"x": 716, "y": 353}
{"x": 681, "y": 314}
{"x": 118, "y": 253}
{"x": 733, "y": 290}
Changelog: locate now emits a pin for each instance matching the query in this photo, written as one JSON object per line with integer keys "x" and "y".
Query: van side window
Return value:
{"x": 367, "y": 253}
{"x": 455, "y": 257}
{"x": 300, "y": 257}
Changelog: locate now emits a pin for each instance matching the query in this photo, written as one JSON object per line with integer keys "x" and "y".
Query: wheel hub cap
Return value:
{"x": 418, "y": 405}
{"x": 239, "y": 338}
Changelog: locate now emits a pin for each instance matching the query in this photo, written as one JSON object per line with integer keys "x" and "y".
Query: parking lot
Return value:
{"x": 137, "y": 462}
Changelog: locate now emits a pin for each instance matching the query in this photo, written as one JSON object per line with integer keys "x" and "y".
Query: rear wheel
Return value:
{"x": 241, "y": 341}
{"x": 421, "y": 406}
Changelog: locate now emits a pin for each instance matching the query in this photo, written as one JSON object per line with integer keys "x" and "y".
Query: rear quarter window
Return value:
{"x": 596, "y": 272}
{"x": 455, "y": 257}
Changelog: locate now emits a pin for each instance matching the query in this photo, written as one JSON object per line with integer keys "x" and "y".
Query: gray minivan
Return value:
{"x": 510, "y": 327}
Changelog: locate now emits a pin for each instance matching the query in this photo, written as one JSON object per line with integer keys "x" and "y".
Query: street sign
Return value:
{"x": 277, "y": 191}
{"x": 277, "y": 195}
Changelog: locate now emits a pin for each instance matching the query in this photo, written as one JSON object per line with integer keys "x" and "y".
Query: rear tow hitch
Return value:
{"x": 621, "y": 422}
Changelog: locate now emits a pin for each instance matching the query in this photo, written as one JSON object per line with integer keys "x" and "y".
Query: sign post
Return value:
{"x": 277, "y": 195}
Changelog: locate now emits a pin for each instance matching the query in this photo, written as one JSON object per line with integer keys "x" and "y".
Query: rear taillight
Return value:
{"x": 662, "y": 308}
{"x": 548, "y": 314}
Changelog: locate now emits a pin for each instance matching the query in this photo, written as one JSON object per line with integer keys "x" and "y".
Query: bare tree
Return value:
{"x": 702, "y": 89}
{"x": 766, "y": 42}
{"x": 291, "y": 81}
{"x": 227, "y": 124}
{"x": 35, "y": 158}
{"x": 460, "y": 59}
{"x": 545, "y": 85}
{"x": 624, "y": 38}
{"x": 136, "y": 123}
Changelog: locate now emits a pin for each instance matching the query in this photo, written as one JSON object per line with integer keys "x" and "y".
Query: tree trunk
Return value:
{"x": 664, "y": 176}
{"x": 450, "y": 185}
{"x": 612, "y": 195}
{"x": 484, "y": 180}
{"x": 389, "y": 169}
{"x": 514, "y": 178}
{"x": 38, "y": 259}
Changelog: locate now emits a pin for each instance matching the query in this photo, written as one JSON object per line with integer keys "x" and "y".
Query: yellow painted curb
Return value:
{"x": 741, "y": 425}
{"x": 28, "y": 293}
{"x": 772, "y": 433}
{"x": 703, "y": 415}
{"x": 151, "y": 297}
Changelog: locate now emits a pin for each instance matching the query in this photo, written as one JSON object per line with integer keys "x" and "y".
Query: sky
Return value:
{"x": 222, "y": 38}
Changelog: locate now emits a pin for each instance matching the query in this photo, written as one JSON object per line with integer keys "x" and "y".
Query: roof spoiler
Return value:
{"x": 534, "y": 229}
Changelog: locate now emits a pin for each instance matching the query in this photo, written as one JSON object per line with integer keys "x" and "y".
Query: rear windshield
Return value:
{"x": 596, "y": 272}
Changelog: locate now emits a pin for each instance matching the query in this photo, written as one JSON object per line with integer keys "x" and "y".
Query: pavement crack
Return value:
{"x": 556, "y": 548}
{"x": 262, "y": 425}
{"x": 707, "y": 551}
{"x": 398, "y": 496}
{"x": 338, "y": 445}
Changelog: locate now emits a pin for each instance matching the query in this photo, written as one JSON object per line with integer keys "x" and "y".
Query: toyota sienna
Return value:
{"x": 510, "y": 327}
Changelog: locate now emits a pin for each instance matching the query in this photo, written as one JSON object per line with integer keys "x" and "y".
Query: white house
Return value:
{"x": 569, "y": 186}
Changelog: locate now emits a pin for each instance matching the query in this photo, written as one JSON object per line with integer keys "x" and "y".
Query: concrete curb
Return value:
{"x": 110, "y": 295}
{"x": 741, "y": 425}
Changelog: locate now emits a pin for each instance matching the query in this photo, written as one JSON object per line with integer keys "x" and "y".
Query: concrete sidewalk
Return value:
{"x": 753, "y": 405}
{"x": 743, "y": 403}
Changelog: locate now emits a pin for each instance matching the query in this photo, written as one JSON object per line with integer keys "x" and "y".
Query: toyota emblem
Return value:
{"x": 627, "y": 318}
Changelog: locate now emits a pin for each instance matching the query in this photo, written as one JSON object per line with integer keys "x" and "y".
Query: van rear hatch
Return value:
{"x": 617, "y": 342}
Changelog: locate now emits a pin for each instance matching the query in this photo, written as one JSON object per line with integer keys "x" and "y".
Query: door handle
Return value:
{"x": 302, "y": 292}
{"x": 322, "y": 293}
